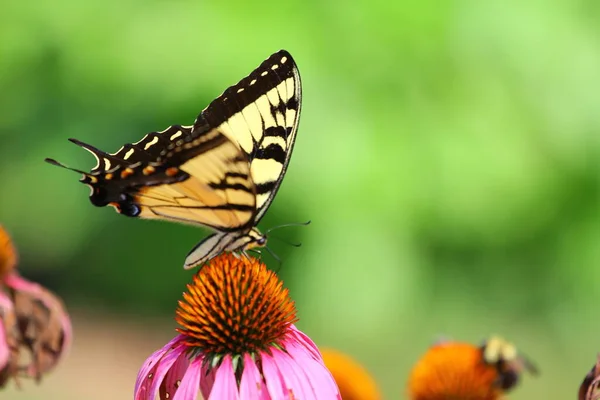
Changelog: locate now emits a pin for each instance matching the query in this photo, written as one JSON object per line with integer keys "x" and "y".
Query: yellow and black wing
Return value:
{"x": 200, "y": 177}
{"x": 262, "y": 114}
{"x": 222, "y": 172}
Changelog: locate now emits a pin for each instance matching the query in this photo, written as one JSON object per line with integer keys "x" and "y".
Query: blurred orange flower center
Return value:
{"x": 8, "y": 254}
{"x": 453, "y": 371}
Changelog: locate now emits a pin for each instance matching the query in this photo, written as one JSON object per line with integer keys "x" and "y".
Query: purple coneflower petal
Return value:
{"x": 273, "y": 378}
{"x": 296, "y": 334}
{"x": 190, "y": 384}
{"x": 142, "y": 382}
{"x": 207, "y": 381}
{"x": 19, "y": 283}
{"x": 225, "y": 386}
{"x": 171, "y": 382}
{"x": 318, "y": 375}
{"x": 164, "y": 366}
{"x": 294, "y": 379}
{"x": 6, "y": 307}
{"x": 252, "y": 385}
{"x": 4, "y": 350}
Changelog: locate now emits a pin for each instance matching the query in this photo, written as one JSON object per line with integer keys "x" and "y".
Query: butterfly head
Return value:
{"x": 255, "y": 239}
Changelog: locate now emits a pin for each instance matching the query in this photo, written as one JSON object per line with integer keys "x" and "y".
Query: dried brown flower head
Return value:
{"x": 590, "y": 387}
{"x": 35, "y": 330}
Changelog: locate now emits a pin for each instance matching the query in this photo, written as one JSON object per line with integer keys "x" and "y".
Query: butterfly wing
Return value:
{"x": 261, "y": 113}
{"x": 223, "y": 172}
{"x": 199, "y": 177}
{"x": 215, "y": 189}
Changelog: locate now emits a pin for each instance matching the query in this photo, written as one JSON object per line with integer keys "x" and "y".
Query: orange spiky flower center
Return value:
{"x": 8, "y": 253}
{"x": 453, "y": 371}
{"x": 235, "y": 306}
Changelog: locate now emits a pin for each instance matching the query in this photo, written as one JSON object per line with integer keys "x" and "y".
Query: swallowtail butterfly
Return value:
{"x": 222, "y": 172}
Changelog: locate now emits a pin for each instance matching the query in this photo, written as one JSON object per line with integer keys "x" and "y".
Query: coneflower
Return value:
{"x": 36, "y": 330}
{"x": 462, "y": 371}
{"x": 353, "y": 380}
{"x": 590, "y": 386}
{"x": 236, "y": 341}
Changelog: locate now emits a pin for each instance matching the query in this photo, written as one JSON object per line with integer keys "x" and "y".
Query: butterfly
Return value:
{"x": 222, "y": 172}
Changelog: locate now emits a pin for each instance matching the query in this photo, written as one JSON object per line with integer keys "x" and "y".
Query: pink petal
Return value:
{"x": 295, "y": 381}
{"x": 4, "y": 350}
{"x": 19, "y": 283}
{"x": 306, "y": 341}
{"x": 190, "y": 384}
{"x": 225, "y": 386}
{"x": 6, "y": 307}
{"x": 207, "y": 381}
{"x": 318, "y": 375}
{"x": 252, "y": 385}
{"x": 5, "y": 302}
{"x": 142, "y": 382}
{"x": 163, "y": 366}
{"x": 174, "y": 376}
{"x": 273, "y": 378}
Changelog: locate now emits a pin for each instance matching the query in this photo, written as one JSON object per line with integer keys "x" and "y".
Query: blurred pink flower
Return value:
{"x": 237, "y": 341}
{"x": 33, "y": 320}
{"x": 7, "y": 314}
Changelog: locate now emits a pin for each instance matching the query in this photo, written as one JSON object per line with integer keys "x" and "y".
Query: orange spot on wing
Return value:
{"x": 126, "y": 172}
{"x": 172, "y": 171}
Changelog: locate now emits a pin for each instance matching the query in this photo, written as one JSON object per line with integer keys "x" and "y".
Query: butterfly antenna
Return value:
{"x": 287, "y": 225}
{"x": 54, "y": 162}
{"x": 275, "y": 256}
{"x": 293, "y": 244}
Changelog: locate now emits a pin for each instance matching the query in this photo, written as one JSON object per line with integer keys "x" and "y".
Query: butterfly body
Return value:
{"x": 222, "y": 172}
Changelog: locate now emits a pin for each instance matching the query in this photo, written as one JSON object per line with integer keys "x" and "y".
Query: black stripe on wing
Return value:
{"x": 261, "y": 112}
{"x": 264, "y": 78}
{"x": 150, "y": 149}
{"x": 117, "y": 177}
{"x": 289, "y": 108}
{"x": 155, "y": 145}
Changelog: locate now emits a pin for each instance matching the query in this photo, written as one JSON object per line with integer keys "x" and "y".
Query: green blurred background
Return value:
{"x": 448, "y": 157}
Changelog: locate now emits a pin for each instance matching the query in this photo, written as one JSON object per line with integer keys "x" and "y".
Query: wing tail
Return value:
{"x": 103, "y": 158}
